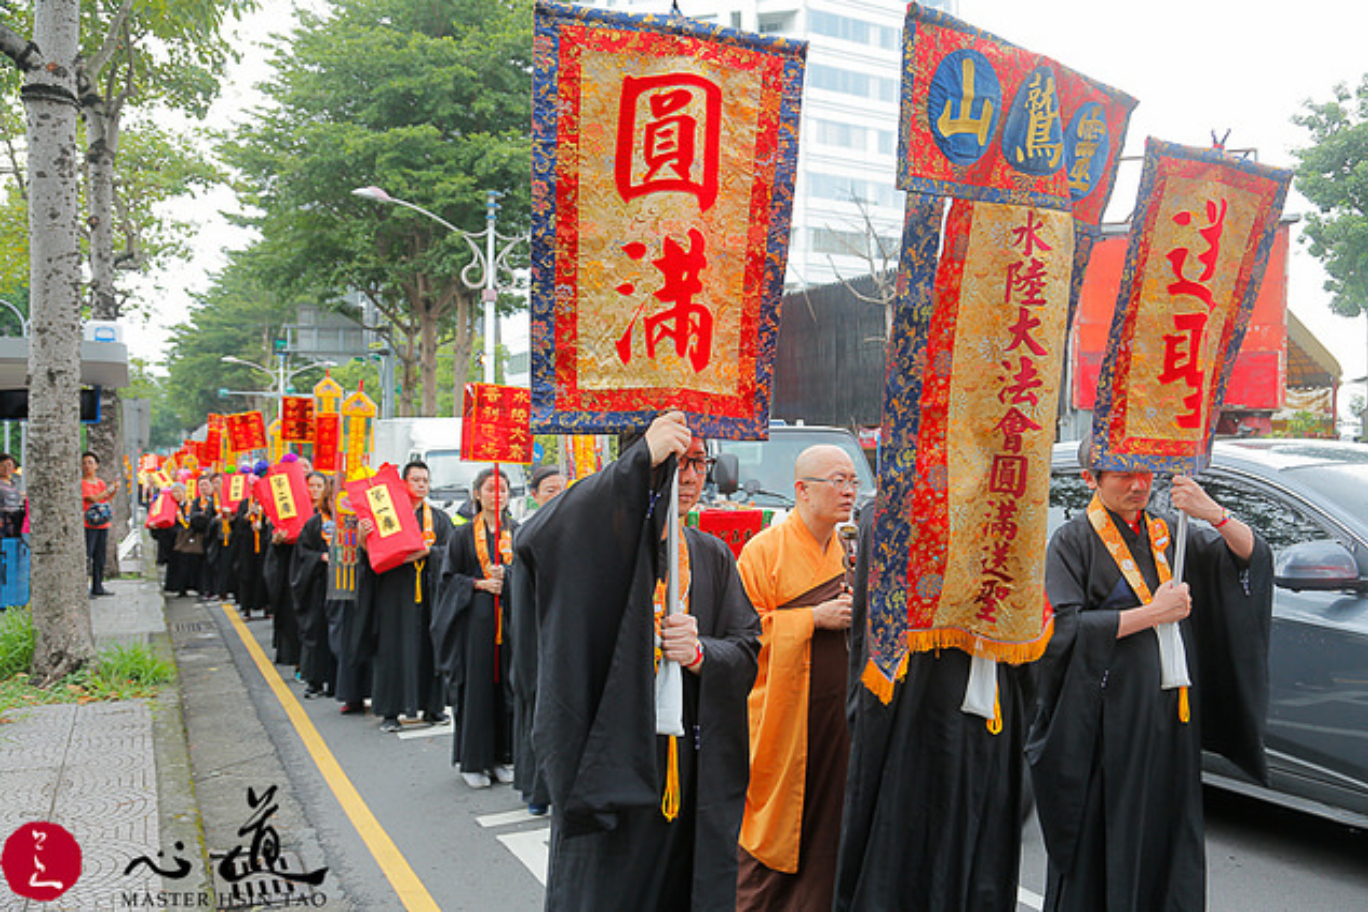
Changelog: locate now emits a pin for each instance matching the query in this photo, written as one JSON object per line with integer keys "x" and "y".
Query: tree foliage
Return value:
{"x": 1332, "y": 172}
{"x": 429, "y": 100}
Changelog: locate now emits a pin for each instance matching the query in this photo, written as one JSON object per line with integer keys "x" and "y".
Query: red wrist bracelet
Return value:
{"x": 698, "y": 655}
{"x": 1225, "y": 518}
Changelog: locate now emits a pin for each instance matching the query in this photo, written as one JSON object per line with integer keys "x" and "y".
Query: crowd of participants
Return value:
{"x": 789, "y": 785}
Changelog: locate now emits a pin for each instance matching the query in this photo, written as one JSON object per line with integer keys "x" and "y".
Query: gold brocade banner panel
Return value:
{"x": 978, "y": 429}
{"x": 1198, "y": 247}
{"x": 663, "y": 165}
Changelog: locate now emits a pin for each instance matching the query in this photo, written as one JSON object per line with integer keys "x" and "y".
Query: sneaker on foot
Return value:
{"x": 390, "y": 725}
{"x": 476, "y": 780}
{"x": 437, "y": 718}
{"x": 538, "y": 810}
{"x": 352, "y": 708}
{"x": 503, "y": 773}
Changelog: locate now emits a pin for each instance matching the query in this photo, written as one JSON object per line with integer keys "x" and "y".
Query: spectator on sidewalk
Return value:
{"x": 11, "y": 499}
{"x": 95, "y": 498}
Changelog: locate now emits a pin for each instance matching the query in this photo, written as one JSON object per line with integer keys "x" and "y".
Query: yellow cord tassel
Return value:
{"x": 418, "y": 580}
{"x": 995, "y": 723}
{"x": 1184, "y": 710}
{"x": 669, "y": 802}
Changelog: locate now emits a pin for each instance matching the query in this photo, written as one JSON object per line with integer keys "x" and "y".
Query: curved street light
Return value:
{"x": 481, "y": 272}
{"x": 280, "y": 376}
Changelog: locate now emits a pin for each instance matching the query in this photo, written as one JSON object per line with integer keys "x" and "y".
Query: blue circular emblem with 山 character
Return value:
{"x": 1087, "y": 144}
{"x": 963, "y": 105}
{"x": 1033, "y": 137}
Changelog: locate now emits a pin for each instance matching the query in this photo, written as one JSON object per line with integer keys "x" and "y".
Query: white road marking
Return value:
{"x": 423, "y": 730}
{"x": 1025, "y": 897}
{"x": 507, "y": 818}
{"x": 533, "y": 849}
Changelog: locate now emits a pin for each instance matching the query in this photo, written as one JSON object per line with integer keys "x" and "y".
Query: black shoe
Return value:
{"x": 101, "y": 592}
{"x": 312, "y": 692}
{"x": 538, "y": 810}
{"x": 351, "y": 709}
{"x": 437, "y": 718}
{"x": 390, "y": 725}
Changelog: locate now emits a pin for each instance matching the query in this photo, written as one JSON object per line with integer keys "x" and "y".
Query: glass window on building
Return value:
{"x": 834, "y": 133}
{"x": 835, "y": 242}
{"x": 850, "y": 189}
{"x": 847, "y": 82}
{"x": 853, "y": 30}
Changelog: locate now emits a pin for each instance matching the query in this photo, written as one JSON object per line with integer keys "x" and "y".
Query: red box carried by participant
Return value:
{"x": 284, "y": 495}
{"x": 384, "y": 500}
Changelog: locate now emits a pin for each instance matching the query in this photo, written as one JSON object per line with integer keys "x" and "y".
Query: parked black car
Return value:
{"x": 1309, "y": 500}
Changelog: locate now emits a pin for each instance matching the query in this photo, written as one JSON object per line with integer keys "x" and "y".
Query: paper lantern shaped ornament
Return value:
{"x": 383, "y": 499}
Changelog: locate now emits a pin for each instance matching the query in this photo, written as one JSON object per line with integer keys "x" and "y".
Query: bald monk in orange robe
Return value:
{"x": 799, "y": 742}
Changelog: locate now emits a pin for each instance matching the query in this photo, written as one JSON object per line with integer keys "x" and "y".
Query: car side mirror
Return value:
{"x": 726, "y": 471}
{"x": 1318, "y": 565}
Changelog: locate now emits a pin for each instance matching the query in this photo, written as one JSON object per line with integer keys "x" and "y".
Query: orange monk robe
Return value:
{"x": 777, "y": 566}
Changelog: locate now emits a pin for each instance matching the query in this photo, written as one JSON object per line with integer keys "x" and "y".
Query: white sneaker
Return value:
{"x": 503, "y": 773}
{"x": 476, "y": 780}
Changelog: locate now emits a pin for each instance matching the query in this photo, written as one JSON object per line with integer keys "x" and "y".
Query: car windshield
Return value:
{"x": 1344, "y": 485}
{"x": 451, "y": 473}
{"x": 769, "y": 464}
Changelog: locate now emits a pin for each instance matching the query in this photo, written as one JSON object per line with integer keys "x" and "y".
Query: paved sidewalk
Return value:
{"x": 106, "y": 772}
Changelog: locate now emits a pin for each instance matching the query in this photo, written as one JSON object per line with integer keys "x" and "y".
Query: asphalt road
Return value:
{"x": 480, "y": 850}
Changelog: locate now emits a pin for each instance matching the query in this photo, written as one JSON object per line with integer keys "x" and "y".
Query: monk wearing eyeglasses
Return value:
{"x": 794, "y": 575}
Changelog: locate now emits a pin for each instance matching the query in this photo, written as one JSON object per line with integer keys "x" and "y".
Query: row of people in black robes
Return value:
{"x": 931, "y": 817}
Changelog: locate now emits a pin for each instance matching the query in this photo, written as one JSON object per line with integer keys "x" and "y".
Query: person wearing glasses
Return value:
{"x": 795, "y": 577}
{"x": 639, "y": 820}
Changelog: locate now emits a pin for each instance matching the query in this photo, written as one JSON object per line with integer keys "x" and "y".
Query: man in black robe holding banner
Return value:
{"x": 1115, "y": 751}
{"x": 639, "y": 820}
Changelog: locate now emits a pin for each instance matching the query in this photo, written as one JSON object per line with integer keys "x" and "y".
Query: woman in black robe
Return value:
{"x": 251, "y": 542}
{"x": 187, "y": 551}
{"x": 482, "y": 740}
{"x": 309, "y": 585}
{"x": 284, "y": 626}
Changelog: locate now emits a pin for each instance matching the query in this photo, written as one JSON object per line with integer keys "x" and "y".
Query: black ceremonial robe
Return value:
{"x": 1117, "y": 776}
{"x": 465, "y": 629}
{"x": 309, "y": 585}
{"x": 393, "y": 629}
{"x": 932, "y": 810}
{"x": 249, "y": 560}
{"x": 595, "y": 556}
{"x": 521, "y": 634}
{"x": 284, "y": 624}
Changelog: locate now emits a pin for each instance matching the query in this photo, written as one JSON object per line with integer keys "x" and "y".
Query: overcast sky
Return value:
{"x": 1194, "y": 66}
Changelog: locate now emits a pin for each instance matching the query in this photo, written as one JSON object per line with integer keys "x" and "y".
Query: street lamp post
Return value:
{"x": 280, "y": 376}
{"x": 482, "y": 271}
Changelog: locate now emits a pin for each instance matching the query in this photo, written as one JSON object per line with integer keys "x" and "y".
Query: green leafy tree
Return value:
{"x": 429, "y": 100}
{"x": 1332, "y": 172}
{"x": 240, "y": 315}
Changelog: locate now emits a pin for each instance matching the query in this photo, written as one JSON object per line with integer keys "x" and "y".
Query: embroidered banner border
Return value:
{"x": 559, "y": 404}
{"x": 1113, "y": 448}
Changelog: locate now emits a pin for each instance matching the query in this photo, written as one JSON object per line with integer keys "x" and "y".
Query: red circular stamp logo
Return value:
{"x": 41, "y": 861}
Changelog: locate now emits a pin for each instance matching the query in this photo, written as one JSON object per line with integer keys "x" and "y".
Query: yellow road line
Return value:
{"x": 410, "y": 889}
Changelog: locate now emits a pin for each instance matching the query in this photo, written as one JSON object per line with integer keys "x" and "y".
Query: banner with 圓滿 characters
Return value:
{"x": 960, "y": 552}
{"x": 327, "y": 441}
{"x": 494, "y": 424}
{"x": 664, "y": 152}
{"x": 1199, "y": 244}
{"x": 984, "y": 119}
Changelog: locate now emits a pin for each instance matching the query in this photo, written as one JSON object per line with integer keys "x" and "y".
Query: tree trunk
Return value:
{"x": 61, "y": 609}
{"x": 427, "y": 359}
{"x": 408, "y": 370}
{"x": 461, "y": 345}
{"x": 104, "y": 439}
